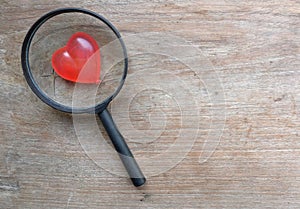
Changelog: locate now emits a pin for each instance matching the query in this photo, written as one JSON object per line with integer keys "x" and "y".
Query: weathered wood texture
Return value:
{"x": 254, "y": 48}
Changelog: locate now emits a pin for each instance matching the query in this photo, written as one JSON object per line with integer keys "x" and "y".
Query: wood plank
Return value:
{"x": 50, "y": 159}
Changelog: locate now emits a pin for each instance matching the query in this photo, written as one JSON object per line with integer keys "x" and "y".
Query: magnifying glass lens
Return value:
{"x": 76, "y": 51}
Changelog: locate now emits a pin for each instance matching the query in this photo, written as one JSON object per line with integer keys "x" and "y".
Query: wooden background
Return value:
{"x": 253, "y": 46}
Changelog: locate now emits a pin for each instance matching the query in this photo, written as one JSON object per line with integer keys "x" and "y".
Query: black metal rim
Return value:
{"x": 29, "y": 77}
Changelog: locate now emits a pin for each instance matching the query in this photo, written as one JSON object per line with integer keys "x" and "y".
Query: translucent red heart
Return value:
{"x": 79, "y": 61}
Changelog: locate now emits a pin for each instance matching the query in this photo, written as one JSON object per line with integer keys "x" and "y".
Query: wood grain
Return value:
{"x": 254, "y": 48}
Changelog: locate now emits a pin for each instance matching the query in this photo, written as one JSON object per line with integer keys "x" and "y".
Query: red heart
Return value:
{"x": 79, "y": 60}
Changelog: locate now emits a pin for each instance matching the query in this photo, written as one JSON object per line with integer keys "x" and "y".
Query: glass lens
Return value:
{"x": 76, "y": 52}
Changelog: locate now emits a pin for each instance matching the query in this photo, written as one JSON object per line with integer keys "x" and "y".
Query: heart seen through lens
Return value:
{"x": 79, "y": 60}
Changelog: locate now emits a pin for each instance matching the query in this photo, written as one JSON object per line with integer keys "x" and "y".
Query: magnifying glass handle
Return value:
{"x": 133, "y": 169}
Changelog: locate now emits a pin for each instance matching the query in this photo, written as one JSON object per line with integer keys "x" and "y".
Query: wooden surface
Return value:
{"x": 254, "y": 48}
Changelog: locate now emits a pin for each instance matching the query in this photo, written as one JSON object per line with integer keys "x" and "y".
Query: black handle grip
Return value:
{"x": 133, "y": 169}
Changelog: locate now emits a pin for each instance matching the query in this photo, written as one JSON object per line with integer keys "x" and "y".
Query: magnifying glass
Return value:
{"x": 72, "y": 48}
